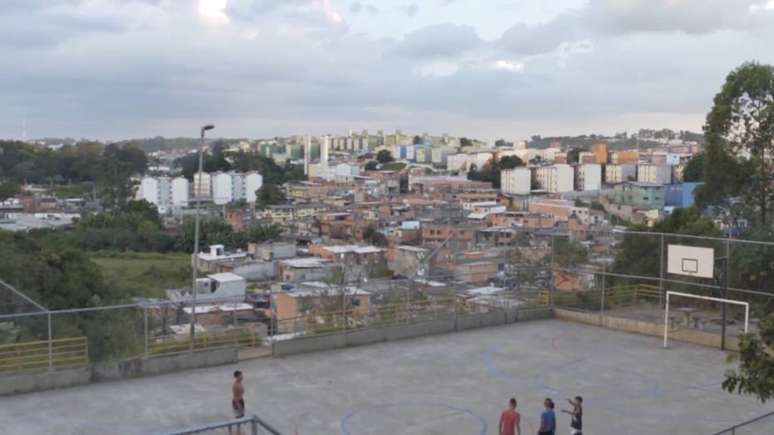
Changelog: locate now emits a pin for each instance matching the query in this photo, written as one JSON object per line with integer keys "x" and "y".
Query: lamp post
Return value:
{"x": 197, "y": 218}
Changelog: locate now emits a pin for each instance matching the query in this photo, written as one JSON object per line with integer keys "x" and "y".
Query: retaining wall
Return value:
{"x": 135, "y": 367}
{"x": 404, "y": 331}
{"x": 647, "y": 328}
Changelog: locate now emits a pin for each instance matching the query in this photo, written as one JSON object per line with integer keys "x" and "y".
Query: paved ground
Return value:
{"x": 450, "y": 384}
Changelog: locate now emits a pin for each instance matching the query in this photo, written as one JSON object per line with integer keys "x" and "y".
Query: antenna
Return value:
{"x": 24, "y": 130}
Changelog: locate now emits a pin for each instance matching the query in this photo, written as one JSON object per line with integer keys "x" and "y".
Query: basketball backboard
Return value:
{"x": 691, "y": 261}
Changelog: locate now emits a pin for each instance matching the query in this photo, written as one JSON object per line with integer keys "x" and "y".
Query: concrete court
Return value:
{"x": 446, "y": 384}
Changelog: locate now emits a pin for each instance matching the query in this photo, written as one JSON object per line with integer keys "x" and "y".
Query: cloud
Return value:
{"x": 411, "y": 9}
{"x": 439, "y": 41}
{"x": 507, "y": 65}
{"x": 116, "y": 68}
{"x": 357, "y": 7}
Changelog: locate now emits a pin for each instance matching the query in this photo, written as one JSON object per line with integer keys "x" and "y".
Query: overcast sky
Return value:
{"x": 258, "y": 68}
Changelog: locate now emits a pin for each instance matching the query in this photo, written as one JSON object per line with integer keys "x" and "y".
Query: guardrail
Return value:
{"x": 44, "y": 355}
{"x": 240, "y": 337}
{"x": 766, "y": 422}
{"x": 256, "y": 425}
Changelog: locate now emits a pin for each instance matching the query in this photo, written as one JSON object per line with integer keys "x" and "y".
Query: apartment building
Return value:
{"x": 516, "y": 181}
{"x": 557, "y": 178}
{"x": 652, "y": 173}
{"x": 620, "y": 173}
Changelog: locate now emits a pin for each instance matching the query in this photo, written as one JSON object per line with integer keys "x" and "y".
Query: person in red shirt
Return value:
{"x": 510, "y": 420}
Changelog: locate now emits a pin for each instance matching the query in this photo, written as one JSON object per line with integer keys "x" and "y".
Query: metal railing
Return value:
{"x": 36, "y": 355}
{"x": 759, "y": 425}
{"x": 255, "y": 424}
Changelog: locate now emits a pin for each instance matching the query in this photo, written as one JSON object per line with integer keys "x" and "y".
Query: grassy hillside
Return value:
{"x": 144, "y": 274}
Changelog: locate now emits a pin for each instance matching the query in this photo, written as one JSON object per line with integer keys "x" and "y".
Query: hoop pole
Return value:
{"x": 666, "y": 322}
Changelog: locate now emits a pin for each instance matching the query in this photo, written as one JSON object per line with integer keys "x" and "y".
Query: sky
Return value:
{"x": 114, "y": 69}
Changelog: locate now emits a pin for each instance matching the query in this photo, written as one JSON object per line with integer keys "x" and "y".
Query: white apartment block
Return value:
{"x": 589, "y": 177}
{"x": 227, "y": 187}
{"x": 616, "y": 174}
{"x": 657, "y": 174}
{"x": 164, "y": 192}
{"x": 202, "y": 188}
{"x": 516, "y": 181}
{"x": 180, "y": 195}
{"x": 557, "y": 178}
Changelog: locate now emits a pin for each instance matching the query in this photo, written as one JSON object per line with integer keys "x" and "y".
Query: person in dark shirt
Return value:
{"x": 548, "y": 419}
{"x": 576, "y": 415}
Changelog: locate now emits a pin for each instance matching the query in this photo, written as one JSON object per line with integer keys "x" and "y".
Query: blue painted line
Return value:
{"x": 345, "y": 420}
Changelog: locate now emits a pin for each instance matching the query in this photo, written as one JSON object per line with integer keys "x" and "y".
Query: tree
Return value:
{"x": 374, "y": 237}
{"x": 742, "y": 122}
{"x": 465, "y": 142}
{"x": 573, "y": 156}
{"x": 694, "y": 170}
{"x": 384, "y": 156}
{"x": 269, "y": 194}
{"x": 755, "y": 375}
{"x": 8, "y": 189}
{"x": 372, "y": 165}
{"x": 417, "y": 140}
{"x": 502, "y": 143}
{"x": 510, "y": 162}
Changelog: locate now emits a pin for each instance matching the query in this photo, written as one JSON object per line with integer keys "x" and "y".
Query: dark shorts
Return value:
{"x": 239, "y": 408}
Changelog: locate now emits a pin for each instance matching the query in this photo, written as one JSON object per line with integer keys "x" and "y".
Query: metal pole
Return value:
{"x": 666, "y": 322}
{"x": 196, "y": 235}
{"x": 145, "y": 320}
{"x": 661, "y": 273}
{"x": 725, "y": 296}
{"x": 551, "y": 289}
{"x": 604, "y": 288}
{"x": 50, "y": 345}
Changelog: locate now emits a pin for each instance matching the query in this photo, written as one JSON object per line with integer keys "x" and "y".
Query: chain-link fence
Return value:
{"x": 61, "y": 339}
{"x": 626, "y": 275}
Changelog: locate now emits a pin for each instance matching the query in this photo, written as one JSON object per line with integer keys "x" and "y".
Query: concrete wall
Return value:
{"x": 136, "y": 367}
{"x": 29, "y": 382}
{"x": 404, "y": 331}
{"x": 701, "y": 338}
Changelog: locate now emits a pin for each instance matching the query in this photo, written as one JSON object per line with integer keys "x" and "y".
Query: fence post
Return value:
{"x": 254, "y": 426}
{"x": 50, "y": 345}
{"x": 661, "y": 273}
{"x": 145, "y": 320}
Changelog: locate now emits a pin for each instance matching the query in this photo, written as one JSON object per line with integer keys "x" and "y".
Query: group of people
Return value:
{"x": 510, "y": 419}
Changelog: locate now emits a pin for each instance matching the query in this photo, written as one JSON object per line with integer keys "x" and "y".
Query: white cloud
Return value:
{"x": 509, "y": 66}
{"x": 214, "y": 11}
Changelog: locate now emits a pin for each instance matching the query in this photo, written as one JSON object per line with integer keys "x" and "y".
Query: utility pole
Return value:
{"x": 195, "y": 267}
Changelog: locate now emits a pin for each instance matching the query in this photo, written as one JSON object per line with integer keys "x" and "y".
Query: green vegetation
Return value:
{"x": 384, "y": 157}
{"x": 144, "y": 274}
{"x": 393, "y": 166}
{"x": 270, "y": 194}
{"x": 491, "y": 171}
{"x": 755, "y": 375}
{"x": 221, "y": 160}
{"x": 741, "y": 121}
{"x": 694, "y": 170}
{"x": 372, "y": 165}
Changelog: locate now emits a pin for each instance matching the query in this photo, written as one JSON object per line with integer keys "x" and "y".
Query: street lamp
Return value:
{"x": 195, "y": 268}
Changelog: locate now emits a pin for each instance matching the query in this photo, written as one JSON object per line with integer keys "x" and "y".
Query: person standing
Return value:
{"x": 237, "y": 399}
{"x": 547, "y": 419}
{"x": 510, "y": 420}
{"x": 576, "y": 415}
